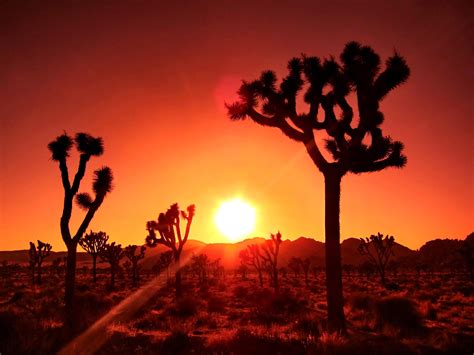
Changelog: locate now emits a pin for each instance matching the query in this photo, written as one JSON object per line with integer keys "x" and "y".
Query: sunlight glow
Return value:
{"x": 235, "y": 219}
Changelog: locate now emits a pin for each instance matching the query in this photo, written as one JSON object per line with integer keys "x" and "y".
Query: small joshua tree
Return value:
{"x": 88, "y": 147}
{"x": 295, "y": 265}
{"x": 166, "y": 259}
{"x": 200, "y": 264}
{"x": 378, "y": 249}
{"x": 32, "y": 261}
{"x": 306, "y": 266}
{"x": 169, "y": 230}
{"x": 271, "y": 248}
{"x": 94, "y": 243}
{"x": 112, "y": 254}
{"x": 129, "y": 252}
{"x": 252, "y": 257}
{"x": 37, "y": 256}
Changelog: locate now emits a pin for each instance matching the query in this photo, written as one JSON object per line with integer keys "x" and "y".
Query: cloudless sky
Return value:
{"x": 151, "y": 78}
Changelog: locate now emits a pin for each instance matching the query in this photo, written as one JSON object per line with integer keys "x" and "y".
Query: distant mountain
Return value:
{"x": 433, "y": 252}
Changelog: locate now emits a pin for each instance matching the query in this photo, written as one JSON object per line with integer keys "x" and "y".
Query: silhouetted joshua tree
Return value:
{"x": 200, "y": 264}
{"x": 112, "y": 254}
{"x": 252, "y": 257}
{"x": 378, "y": 250}
{"x": 134, "y": 259}
{"x": 355, "y": 147}
{"x": 306, "y": 266}
{"x": 467, "y": 252}
{"x": 88, "y": 147}
{"x": 32, "y": 261}
{"x": 271, "y": 248}
{"x": 169, "y": 230}
{"x": 37, "y": 256}
{"x": 294, "y": 264}
{"x": 94, "y": 243}
{"x": 166, "y": 259}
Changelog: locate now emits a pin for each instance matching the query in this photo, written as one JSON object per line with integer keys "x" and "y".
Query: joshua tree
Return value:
{"x": 252, "y": 257}
{"x": 243, "y": 270}
{"x": 355, "y": 147}
{"x": 88, "y": 147}
{"x": 112, "y": 254}
{"x": 169, "y": 230}
{"x": 295, "y": 265}
{"x": 271, "y": 249}
{"x": 306, "y": 266}
{"x": 166, "y": 258}
{"x": 33, "y": 258}
{"x": 37, "y": 256}
{"x": 94, "y": 243}
{"x": 134, "y": 259}
{"x": 467, "y": 252}
{"x": 200, "y": 264}
{"x": 378, "y": 250}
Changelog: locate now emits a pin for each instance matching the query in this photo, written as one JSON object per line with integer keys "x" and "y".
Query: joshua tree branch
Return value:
{"x": 276, "y": 121}
{"x": 80, "y": 173}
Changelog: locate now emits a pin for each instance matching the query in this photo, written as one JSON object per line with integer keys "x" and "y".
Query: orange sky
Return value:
{"x": 151, "y": 80}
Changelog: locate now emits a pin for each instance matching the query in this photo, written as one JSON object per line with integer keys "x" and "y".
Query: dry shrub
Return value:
{"x": 361, "y": 302}
{"x": 215, "y": 304}
{"x": 398, "y": 313}
{"x": 185, "y": 306}
{"x": 241, "y": 292}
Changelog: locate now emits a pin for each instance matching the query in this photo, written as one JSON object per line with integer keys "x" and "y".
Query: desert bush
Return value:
{"x": 185, "y": 306}
{"x": 361, "y": 302}
{"x": 241, "y": 292}
{"x": 215, "y": 304}
{"x": 398, "y": 313}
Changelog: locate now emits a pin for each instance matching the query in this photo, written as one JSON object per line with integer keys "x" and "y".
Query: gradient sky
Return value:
{"x": 151, "y": 80}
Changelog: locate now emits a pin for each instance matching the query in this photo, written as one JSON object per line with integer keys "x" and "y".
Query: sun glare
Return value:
{"x": 235, "y": 219}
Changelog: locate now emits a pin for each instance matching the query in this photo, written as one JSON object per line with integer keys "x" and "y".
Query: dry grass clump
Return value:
{"x": 398, "y": 313}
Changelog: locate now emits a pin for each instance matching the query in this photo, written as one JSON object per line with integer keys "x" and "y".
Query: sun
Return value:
{"x": 235, "y": 219}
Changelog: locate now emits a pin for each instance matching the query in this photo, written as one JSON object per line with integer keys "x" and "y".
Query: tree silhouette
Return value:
{"x": 200, "y": 264}
{"x": 134, "y": 259}
{"x": 295, "y": 265}
{"x": 378, "y": 250}
{"x": 252, "y": 257}
{"x": 166, "y": 259}
{"x": 94, "y": 243}
{"x": 112, "y": 254}
{"x": 467, "y": 252}
{"x": 271, "y": 248}
{"x": 355, "y": 147}
{"x": 169, "y": 230}
{"x": 88, "y": 147}
{"x": 306, "y": 266}
{"x": 37, "y": 255}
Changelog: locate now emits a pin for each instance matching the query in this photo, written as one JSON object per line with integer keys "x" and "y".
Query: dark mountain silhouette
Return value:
{"x": 436, "y": 253}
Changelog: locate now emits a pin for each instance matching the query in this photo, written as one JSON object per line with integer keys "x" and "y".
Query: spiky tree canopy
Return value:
{"x": 327, "y": 85}
{"x": 169, "y": 230}
{"x": 130, "y": 253}
{"x": 94, "y": 242}
{"x": 112, "y": 253}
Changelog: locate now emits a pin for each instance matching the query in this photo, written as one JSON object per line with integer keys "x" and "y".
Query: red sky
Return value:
{"x": 151, "y": 80}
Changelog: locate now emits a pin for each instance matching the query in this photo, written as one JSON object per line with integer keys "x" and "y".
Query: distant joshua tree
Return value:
{"x": 134, "y": 258}
{"x": 295, "y": 265}
{"x": 306, "y": 266}
{"x": 378, "y": 250}
{"x": 356, "y": 147}
{"x": 467, "y": 252}
{"x": 37, "y": 256}
{"x": 166, "y": 259}
{"x": 88, "y": 147}
{"x": 200, "y": 264}
{"x": 94, "y": 244}
{"x": 252, "y": 257}
{"x": 271, "y": 248}
{"x": 112, "y": 254}
{"x": 169, "y": 230}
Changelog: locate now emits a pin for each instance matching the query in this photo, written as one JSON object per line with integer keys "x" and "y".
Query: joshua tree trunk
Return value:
{"x": 336, "y": 320}
{"x": 177, "y": 275}
{"x": 94, "y": 268}
{"x": 39, "y": 273}
{"x": 112, "y": 276}
{"x": 70, "y": 274}
{"x": 275, "y": 277}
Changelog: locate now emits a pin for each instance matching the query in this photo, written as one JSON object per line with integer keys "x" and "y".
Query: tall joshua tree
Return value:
{"x": 130, "y": 253}
{"x": 112, "y": 254}
{"x": 94, "y": 243}
{"x": 378, "y": 250}
{"x": 355, "y": 147}
{"x": 271, "y": 248}
{"x": 252, "y": 257}
{"x": 87, "y": 146}
{"x": 168, "y": 227}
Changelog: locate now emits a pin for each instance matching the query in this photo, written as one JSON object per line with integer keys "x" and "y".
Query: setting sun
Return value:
{"x": 235, "y": 219}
